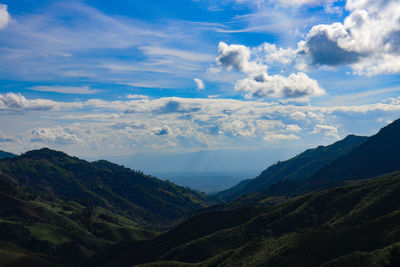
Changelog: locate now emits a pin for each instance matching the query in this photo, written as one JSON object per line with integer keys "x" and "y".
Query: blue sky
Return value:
{"x": 96, "y": 78}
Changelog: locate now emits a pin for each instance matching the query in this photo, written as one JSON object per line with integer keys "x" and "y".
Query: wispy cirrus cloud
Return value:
{"x": 83, "y": 90}
{"x": 4, "y": 16}
{"x": 91, "y": 44}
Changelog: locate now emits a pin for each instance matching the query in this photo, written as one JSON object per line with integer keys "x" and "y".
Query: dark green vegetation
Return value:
{"x": 298, "y": 168}
{"x": 355, "y": 225}
{"x": 59, "y": 209}
{"x": 4, "y": 154}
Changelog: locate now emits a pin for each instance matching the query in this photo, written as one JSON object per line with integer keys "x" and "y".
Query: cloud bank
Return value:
{"x": 181, "y": 124}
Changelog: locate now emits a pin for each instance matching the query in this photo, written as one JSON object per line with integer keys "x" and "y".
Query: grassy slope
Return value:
{"x": 46, "y": 228}
{"x": 144, "y": 199}
{"x": 318, "y": 228}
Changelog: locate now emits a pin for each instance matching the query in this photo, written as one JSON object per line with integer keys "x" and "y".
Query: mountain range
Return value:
{"x": 52, "y": 203}
{"x": 299, "y": 168}
{"x": 335, "y": 205}
{"x": 355, "y": 225}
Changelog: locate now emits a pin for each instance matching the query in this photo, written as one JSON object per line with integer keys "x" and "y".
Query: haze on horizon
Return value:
{"x": 113, "y": 79}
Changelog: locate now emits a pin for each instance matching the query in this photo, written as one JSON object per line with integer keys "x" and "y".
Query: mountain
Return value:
{"x": 57, "y": 209}
{"x": 355, "y": 225}
{"x": 378, "y": 155}
{"x": 4, "y": 154}
{"x": 149, "y": 201}
{"x": 298, "y": 168}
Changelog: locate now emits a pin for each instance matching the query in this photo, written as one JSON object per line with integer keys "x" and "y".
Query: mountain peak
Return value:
{"x": 44, "y": 153}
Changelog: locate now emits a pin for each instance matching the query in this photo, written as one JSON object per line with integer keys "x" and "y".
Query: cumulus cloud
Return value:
{"x": 298, "y": 115}
{"x": 11, "y": 101}
{"x": 273, "y": 54}
{"x": 259, "y": 83}
{"x": 237, "y": 57}
{"x": 277, "y": 86}
{"x": 199, "y": 84}
{"x": 368, "y": 40}
{"x": 327, "y": 130}
{"x": 4, "y": 16}
{"x": 293, "y": 128}
{"x": 55, "y": 135}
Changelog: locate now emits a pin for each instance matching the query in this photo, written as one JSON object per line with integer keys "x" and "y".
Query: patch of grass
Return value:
{"x": 49, "y": 233}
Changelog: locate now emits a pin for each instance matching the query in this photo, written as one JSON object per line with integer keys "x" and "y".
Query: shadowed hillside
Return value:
{"x": 4, "y": 154}
{"x": 298, "y": 168}
{"x": 147, "y": 200}
{"x": 345, "y": 226}
{"x": 59, "y": 209}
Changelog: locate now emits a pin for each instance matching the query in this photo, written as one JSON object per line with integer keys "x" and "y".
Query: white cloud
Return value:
{"x": 298, "y": 115}
{"x": 259, "y": 83}
{"x": 237, "y": 57}
{"x": 328, "y": 130}
{"x": 199, "y": 84}
{"x": 55, "y": 135}
{"x": 84, "y": 90}
{"x": 368, "y": 40}
{"x": 280, "y": 137}
{"x": 4, "y": 16}
{"x": 12, "y": 101}
{"x": 278, "y": 86}
{"x": 273, "y": 54}
{"x": 133, "y": 96}
{"x": 182, "y": 124}
{"x": 293, "y": 128}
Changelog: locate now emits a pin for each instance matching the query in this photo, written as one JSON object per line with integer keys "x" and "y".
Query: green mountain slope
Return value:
{"x": 347, "y": 225}
{"x": 36, "y": 227}
{"x": 298, "y": 168}
{"x": 4, "y": 154}
{"x": 148, "y": 201}
{"x": 378, "y": 155}
{"x": 57, "y": 209}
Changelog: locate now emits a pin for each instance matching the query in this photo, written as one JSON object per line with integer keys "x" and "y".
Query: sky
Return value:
{"x": 117, "y": 78}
